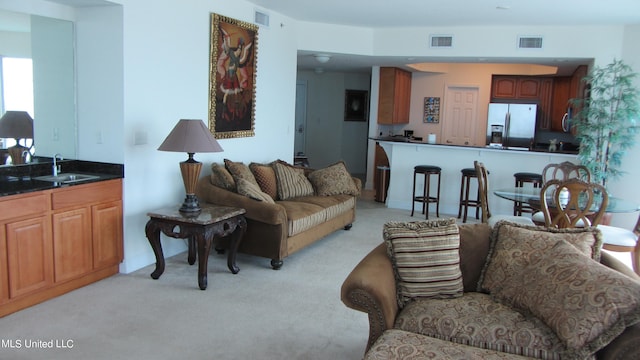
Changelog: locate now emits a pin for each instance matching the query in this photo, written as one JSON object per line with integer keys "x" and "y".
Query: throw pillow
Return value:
{"x": 514, "y": 246}
{"x": 266, "y": 178}
{"x": 240, "y": 171}
{"x": 333, "y": 180}
{"x": 291, "y": 182}
{"x": 584, "y": 302}
{"x": 252, "y": 191}
{"x": 221, "y": 177}
{"x": 425, "y": 258}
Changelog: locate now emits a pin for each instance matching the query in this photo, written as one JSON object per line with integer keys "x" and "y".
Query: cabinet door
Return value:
{"x": 504, "y": 87}
{"x": 4, "y": 276}
{"x": 72, "y": 244}
{"x": 546, "y": 98}
{"x": 528, "y": 88}
{"x": 107, "y": 234}
{"x": 561, "y": 89}
{"x": 402, "y": 97}
{"x": 29, "y": 255}
{"x": 394, "y": 97}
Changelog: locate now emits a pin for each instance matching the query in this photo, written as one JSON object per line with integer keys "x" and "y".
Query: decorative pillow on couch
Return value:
{"x": 221, "y": 177}
{"x": 425, "y": 258}
{"x": 240, "y": 171}
{"x": 291, "y": 181}
{"x": 266, "y": 178}
{"x": 514, "y": 246}
{"x": 252, "y": 191}
{"x": 333, "y": 180}
{"x": 585, "y": 303}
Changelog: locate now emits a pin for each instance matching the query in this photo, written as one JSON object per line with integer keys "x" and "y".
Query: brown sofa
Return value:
{"x": 371, "y": 288}
{"x": 279, "y": 229}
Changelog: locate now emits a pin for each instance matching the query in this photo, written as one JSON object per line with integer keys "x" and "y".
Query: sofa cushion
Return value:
{"x": 291, "y": 182}
{"x": 333, "y": 180}
{"x": 302, "y": 215}
{"x": 221, "y": 177}
{"x": 251, "y": 190}
{"x": 514, "y": 246}
{"x": 477, "y": 320}
{"x": 266, "y": 178}
{"x": 398, "y": 344}
{"x": 333, "y": 206}
{"x": 584, "y": 302}
{"x": 240, "y": 171}
{"x": 425, "y": 259}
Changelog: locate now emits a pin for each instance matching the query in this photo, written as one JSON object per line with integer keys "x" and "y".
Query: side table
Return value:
{"x": 201, "y": 230}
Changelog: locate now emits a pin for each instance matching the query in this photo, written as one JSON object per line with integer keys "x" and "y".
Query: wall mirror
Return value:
{"x": 49, "y": 42}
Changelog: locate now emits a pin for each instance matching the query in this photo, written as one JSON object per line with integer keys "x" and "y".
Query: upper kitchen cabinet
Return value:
{"x": 509, "y": 87}
{"x": 395, "y": 95}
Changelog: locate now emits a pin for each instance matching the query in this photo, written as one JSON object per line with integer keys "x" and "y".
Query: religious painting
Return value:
{"x": 431, "y": 110}
{"x": 355, "y": 105}
{"x": 232, "y": 77}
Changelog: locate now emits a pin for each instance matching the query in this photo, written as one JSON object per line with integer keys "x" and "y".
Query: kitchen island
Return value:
{"x": 501, "y": 163}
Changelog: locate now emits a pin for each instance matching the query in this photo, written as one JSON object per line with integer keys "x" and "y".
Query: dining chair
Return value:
{"x": 572, "y": 203}
{"x": 623, "y": 240}
{"x": 561, "y": 171}
{"x": 483, "y": 188}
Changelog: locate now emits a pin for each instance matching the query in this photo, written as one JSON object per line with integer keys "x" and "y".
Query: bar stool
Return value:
{"x": 426, "y": 198}
{"x": 465, "y": 202}
{"x": 521, "y": 179}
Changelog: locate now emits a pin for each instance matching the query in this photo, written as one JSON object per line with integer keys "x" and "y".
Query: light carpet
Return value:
{"x": 259, "y": 313}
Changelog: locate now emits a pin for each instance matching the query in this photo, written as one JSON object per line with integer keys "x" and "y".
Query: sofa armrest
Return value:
{"x": 625, "y": 346}
{"x": 273, "y": 214}
{"x": 371, "y": 288}
{"x": 612, "y": 262}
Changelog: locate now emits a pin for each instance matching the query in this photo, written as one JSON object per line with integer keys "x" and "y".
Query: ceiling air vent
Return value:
{"x": 440, "y": 41}
{"x": 530, "y": 42}
{"x": 261, "y": 18}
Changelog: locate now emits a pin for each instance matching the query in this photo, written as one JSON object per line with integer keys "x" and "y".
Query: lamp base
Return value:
{"x": 190, "y": 205}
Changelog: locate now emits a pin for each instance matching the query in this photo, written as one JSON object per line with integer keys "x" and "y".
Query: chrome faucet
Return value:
{"x": 56, "y": 167}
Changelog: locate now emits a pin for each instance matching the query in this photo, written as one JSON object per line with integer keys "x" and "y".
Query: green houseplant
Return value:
{"x": 606, "y": 123}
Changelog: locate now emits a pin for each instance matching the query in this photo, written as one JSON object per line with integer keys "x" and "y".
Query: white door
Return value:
{"x": 301, "y": 117}
{"x": 459, "y": 124}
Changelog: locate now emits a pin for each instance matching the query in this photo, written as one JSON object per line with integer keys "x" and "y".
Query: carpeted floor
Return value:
{"x": 293, "y": 313}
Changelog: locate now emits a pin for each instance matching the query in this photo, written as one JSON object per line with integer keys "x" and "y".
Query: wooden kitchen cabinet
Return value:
{"x": 511, "y": 87}
{"x": 559, "y": 107}
{"x": 395, "y": 96}
{"x": 54, "y": 241}
{"x": 546, "y": 101}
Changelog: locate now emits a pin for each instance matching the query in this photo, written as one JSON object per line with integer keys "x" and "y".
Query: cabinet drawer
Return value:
{"x": 98, "y": 192}
{"x": 23, "y": 205}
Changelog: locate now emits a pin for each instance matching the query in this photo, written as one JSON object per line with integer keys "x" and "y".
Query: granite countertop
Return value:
{"x": 545, "y": 149}
{"x": 22, "y": 178}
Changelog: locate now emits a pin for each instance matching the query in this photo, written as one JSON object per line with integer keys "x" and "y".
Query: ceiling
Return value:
{"x": 421, "y": 13}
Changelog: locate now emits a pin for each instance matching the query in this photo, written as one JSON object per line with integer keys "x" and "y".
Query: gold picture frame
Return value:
{"x": 232, "y": 77}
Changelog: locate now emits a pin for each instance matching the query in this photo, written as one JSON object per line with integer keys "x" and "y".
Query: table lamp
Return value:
{"x": 17, "y": 125}
{"x": 190, "y": 136}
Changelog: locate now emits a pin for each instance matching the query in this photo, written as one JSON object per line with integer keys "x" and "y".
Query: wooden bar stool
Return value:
{"x": 521, "y": 179}
{"x": 465, "y": 202}
{"x": 426, "y": 198}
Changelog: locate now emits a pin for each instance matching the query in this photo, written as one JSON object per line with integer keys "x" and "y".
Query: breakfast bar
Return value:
{"x": 502, "y": 164}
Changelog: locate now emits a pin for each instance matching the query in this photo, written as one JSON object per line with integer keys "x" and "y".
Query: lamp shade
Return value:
{"x": 17, "y": 125}
{"x": 190, "y": 136}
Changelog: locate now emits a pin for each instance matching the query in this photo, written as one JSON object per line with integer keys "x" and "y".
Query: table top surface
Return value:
{"x": 207, "y": 215}
{"x": 531, "y": 195}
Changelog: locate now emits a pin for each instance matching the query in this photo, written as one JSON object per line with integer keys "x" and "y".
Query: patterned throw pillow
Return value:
{"x": 514, "y": 246}
{"x": 333, "y": 180}
{"x": 585, "y": 303}
{"x": 291, "y": 182}
{"x": 252, "y": 191}
{"x": 221, "y": 177}
{"x": 425, "y": 259}
{"x": 240, "y": 171}
{"x": 266, "y": 178}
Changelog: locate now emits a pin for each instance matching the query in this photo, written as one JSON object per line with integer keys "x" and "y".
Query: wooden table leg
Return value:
{"x": 236, "y": 237}
{"x": 191, "y": 258}
{"x": 152, "y": 230}
{"x": 203, "y": 240}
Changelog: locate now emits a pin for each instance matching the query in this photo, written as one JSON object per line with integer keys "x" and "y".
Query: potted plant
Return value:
{"x": 606, "y": 123}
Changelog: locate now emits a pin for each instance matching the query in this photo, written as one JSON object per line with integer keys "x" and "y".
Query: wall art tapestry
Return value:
{"x": 431, "y": 110}
{"x": 232, "y": 77}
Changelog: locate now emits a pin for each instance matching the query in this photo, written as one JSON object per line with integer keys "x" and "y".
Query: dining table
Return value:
{"x": 531, "y": 196}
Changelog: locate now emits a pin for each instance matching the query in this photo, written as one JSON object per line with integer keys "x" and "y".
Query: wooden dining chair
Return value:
{"x": 572, "y": 203}
{"x": 623, "y": 240}
{"x": 561, "y": 171}
{"x": 483, "y": 189}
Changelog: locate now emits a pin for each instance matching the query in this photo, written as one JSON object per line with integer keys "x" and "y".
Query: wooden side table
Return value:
{"x": 201, "y": 230}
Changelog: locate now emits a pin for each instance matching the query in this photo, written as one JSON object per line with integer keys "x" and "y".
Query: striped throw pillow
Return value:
{"x": 425, "y": 257}
{"x": 291, "y": 182}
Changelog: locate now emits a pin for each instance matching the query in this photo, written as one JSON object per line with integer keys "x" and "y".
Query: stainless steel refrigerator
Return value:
{"x": 518, "y": 123}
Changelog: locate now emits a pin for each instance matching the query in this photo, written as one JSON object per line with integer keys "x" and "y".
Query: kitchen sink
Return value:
{"x": 67, "y": 178}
